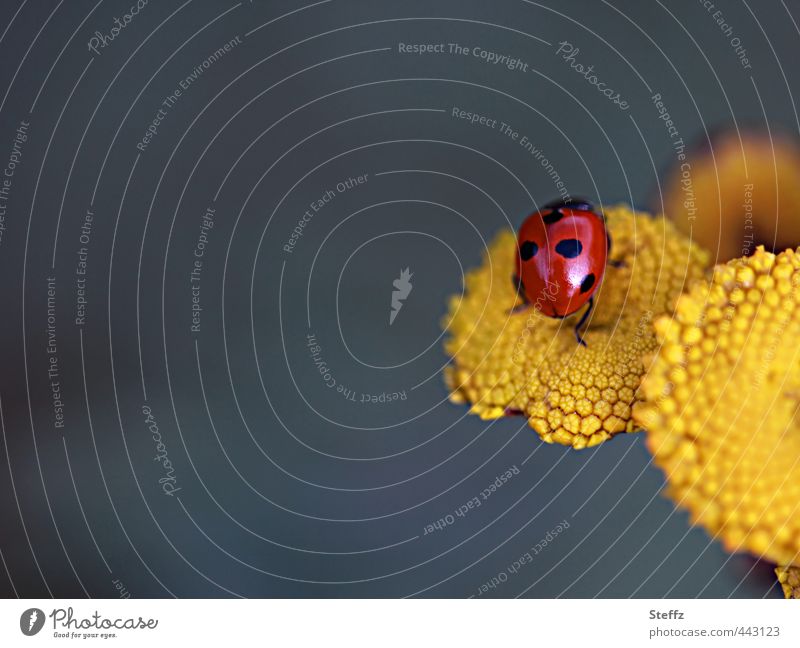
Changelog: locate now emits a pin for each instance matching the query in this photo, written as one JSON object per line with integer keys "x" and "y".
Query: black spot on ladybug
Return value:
{"x": 528, "y": 250}
{"x": 587, "y": 283}
{"x": 553, "y": 217}
{"x": 569, "y": 248}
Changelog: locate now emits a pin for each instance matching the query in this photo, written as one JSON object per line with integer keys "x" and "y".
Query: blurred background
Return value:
{"x": 204, "y": 210}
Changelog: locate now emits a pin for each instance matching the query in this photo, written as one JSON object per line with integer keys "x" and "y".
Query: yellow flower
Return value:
{"x": 789, "y": 578}
{"x": 525, "y": 362}
{"x": 740, "y": 192}
{"x": 722, "y": 396}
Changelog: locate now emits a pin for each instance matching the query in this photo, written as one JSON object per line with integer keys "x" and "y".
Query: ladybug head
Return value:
{"x": 571, "y": 203}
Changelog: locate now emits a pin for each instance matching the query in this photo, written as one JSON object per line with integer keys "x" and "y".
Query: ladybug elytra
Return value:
{"x": 563, "y": 249}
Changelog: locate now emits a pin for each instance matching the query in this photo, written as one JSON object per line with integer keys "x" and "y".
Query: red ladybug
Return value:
{"x": 563, "y": 249}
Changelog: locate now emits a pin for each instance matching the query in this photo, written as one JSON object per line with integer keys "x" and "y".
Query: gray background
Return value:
{"x": 287, "y": 487}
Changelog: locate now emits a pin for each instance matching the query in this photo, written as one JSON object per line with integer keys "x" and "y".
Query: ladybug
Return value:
{"x": 563, "y": 250}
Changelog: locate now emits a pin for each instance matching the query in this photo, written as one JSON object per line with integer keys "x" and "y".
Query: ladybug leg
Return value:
{"x": 611, "y": 262}
{"x": 521, "y": 293}
{"x": 584, "y": 317}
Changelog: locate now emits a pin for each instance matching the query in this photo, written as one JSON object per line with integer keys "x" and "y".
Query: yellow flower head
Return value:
{"x": 789, "y": 578}
{"x": 743, "y": 193}
{"x": 722, "y": 397}
{"x": 524, "y": 362}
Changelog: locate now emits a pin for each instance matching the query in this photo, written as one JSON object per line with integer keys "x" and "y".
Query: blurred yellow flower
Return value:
{"x": 722, "y": 397}
{"x": 740, "y": 192}
{"x": 523, "y": 362}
